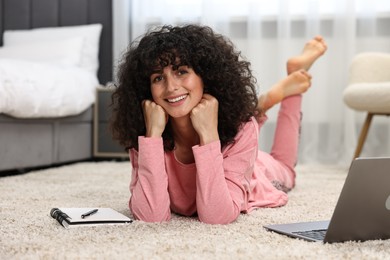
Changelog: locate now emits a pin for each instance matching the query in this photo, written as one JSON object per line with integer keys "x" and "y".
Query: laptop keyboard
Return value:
{"x": 315, "y": 234}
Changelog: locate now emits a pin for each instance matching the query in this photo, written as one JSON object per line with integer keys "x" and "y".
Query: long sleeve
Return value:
{"x": 221, "y": 194}
{"x": 149, "y": 184}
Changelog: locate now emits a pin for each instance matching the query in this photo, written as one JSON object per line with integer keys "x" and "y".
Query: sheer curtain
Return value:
{"x": 268, "y": 33}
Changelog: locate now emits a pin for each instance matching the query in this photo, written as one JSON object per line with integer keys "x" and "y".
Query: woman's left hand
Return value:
{"x": 204, "y": 119}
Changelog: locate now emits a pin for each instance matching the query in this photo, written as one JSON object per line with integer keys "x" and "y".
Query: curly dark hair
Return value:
{"x": 225, "y": 74}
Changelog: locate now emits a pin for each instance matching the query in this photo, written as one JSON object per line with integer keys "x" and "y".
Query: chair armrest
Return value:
{"x": 370, "y": 67}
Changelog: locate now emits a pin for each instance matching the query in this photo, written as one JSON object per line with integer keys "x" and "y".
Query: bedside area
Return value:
{"x": 103, "y": 144}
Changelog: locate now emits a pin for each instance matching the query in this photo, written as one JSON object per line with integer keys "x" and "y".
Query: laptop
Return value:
{"x": 362, "y": 211}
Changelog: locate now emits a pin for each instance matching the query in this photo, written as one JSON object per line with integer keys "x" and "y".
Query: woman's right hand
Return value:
{"x": 155, "y": 118}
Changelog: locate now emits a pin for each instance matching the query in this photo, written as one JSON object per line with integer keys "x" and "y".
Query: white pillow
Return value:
{"x": 66, "y": 52}
{"x": 90, "y": 33}
{"x": 33, "y": 90}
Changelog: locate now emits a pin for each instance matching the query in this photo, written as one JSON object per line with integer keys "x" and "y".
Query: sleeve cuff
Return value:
{"x": 207, "y": 148}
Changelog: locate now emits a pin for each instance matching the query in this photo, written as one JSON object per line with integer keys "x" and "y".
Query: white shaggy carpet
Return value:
{"x": 27, "y": 231}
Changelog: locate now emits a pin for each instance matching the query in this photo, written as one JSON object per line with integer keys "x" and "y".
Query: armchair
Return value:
{"x": 368, "y": 89}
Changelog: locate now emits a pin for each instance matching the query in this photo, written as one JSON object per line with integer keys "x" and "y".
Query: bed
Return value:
{"x": 55, "y": 126}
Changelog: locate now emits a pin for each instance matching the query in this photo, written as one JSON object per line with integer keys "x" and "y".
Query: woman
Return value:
{"x": 186, "y": 109}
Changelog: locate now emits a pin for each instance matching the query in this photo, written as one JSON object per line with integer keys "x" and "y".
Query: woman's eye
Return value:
{"x": 181, "y": 72}
{"x": 157, "y": 78}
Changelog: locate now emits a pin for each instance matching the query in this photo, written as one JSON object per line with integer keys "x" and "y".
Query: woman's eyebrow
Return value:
{"x": 156, "y": 71}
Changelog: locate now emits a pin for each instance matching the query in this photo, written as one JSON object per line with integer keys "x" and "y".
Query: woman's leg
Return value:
{"x": 286, "y": 139}
{"x": 289, "y": 93}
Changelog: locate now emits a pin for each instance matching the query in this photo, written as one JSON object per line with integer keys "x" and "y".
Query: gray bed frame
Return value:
{"x": 28, "y": 143}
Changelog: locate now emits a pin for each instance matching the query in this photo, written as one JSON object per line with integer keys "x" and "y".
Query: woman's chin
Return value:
{"x": 178, "y": 115}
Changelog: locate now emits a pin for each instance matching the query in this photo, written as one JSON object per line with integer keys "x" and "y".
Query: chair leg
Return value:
{"x": 363, "y": 135}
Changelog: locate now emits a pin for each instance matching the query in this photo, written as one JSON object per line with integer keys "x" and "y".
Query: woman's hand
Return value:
{"x": 204, "y": 119}
{"x": 155, "y": 118}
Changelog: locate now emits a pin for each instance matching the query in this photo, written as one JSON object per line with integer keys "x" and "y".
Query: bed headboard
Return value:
{"x": 28, "y": 14}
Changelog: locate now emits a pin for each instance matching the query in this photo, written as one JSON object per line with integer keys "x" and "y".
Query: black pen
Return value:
{"x": 89, "y": 213}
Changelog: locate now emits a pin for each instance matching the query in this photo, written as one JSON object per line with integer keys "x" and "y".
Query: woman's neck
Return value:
{"x": 184, "y": 133}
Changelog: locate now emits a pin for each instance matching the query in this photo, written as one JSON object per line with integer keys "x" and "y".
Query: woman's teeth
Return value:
{"x": 172, "y": 100}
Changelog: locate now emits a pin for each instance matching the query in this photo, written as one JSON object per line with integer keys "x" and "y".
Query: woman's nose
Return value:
{"x": 172, "y": 83}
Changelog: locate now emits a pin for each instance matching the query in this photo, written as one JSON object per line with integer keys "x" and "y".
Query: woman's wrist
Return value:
{"x": 209, "y": 138}
{"x": 153, "y": 133}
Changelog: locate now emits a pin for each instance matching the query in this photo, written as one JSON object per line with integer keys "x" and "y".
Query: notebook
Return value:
{"x": 75, "y": 217}
{"x": 362, "y": 211}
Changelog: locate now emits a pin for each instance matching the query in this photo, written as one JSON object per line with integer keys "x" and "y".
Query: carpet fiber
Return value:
{"x": 27, "y": 231}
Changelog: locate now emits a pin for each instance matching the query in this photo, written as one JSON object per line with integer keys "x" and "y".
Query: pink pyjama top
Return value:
{"x": 217, "y": 187}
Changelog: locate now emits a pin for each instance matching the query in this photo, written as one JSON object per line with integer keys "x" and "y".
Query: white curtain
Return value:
{"x": 268, "y": 33}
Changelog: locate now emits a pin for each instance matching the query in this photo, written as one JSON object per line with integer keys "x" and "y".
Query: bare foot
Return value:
{"x": 296, "y": 83}
{"x": 313, "y": 49}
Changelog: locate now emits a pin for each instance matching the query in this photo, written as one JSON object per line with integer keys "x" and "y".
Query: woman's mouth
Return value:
{"x": 176, "y": 99}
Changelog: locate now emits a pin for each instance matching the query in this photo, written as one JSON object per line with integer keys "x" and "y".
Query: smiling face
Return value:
{"x": 178, "y": 91}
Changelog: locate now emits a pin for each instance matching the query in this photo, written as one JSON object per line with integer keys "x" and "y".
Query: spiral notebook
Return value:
{"x": 75, "y": 217}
